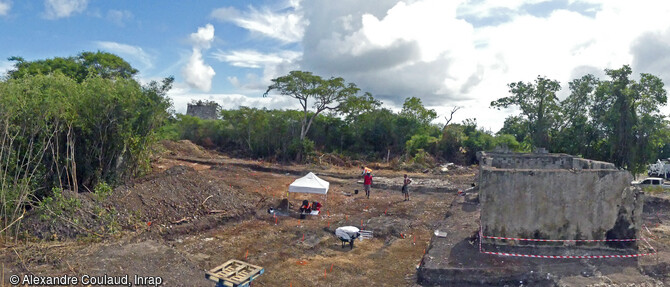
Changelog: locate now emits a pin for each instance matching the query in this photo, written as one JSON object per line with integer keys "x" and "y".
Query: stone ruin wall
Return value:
{"x": 556, "y": 196}
{"x": 206, "y": 112}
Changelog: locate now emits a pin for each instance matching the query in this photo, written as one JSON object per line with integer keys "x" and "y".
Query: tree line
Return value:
{"x": 616, "y": 120}
{"x": 340, "y": 122}
{"x": 73, "y": 123}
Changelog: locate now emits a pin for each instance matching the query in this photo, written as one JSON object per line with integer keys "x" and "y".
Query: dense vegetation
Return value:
{"x": 73, "y": 123}
{"x": 616, "y": 120}
{"x": 364, "y": 130}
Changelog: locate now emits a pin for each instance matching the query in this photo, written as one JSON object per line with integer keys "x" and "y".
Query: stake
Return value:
{"x": 331, "y": 267}
{"x": 275, "y": 220}
{"x": 246, "y": 255}
{"x": 303, "y": 237}
{"x": 324, "y": 273}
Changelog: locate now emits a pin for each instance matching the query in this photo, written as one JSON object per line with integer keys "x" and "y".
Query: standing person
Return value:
{"x": 405, "y": 187}
{"x": 367, "y": 180}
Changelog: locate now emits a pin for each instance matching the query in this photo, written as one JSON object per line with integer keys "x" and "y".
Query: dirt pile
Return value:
{"x": 182, "y": 148}
{"x": 180, "y": 195}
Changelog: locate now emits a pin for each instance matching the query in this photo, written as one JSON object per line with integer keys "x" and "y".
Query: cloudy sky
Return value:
{"x": 448, "y": 53}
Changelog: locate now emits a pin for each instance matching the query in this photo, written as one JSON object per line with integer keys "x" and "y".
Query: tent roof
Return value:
{"x": 309, "y": 183}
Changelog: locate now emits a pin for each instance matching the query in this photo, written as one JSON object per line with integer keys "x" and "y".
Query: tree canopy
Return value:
{"x": 102, "y": 64}
{"x": 325, "y": 94}
{"x": 616, "y": 120}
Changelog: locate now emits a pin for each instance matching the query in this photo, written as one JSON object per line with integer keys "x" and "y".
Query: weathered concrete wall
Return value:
{"x": 539, "y": 161}
{"x": 207, "y": 112}
{"x": 557, "y": 200}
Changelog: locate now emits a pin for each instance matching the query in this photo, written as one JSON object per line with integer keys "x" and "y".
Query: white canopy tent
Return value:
{"x": 309, "y": 183}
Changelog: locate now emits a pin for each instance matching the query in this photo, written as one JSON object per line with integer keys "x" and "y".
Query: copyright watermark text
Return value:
{"x": 97, "y": 280}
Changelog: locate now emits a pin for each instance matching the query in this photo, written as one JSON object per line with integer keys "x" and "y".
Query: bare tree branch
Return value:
{"x": 451, "y": 114}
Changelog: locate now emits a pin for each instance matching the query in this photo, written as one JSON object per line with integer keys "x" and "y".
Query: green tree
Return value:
{"x": 102, "y": 64}
{"x": 538, "y": 104}
{"x": 354, "y": 106}
{"x": 413, "y": 108}
{"x": 629, "y": 114}
{"x": 578, "y": 134}
{"x": 305, "y": 87}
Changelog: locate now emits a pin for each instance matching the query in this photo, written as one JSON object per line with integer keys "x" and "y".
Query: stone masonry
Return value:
{"x": 203, "y": 111}
{"x": 556, "y": 196}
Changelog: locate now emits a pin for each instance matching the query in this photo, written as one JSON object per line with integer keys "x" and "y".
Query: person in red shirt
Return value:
{"x": 316, "y": 206}
{"x": 367, "y": 180}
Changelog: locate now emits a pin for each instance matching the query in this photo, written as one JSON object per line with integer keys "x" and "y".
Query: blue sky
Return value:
{"x": 448, "y": 53}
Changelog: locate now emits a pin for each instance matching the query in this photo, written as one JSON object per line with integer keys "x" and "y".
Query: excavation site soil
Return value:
{"x": 198, "y": 209}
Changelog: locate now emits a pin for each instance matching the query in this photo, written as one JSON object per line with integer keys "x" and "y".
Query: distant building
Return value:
{"x": 206, "y": 110}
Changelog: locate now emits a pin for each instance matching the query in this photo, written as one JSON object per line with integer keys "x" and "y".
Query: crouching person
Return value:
{"x": 347, "y": 234}
{"x": 305, "y": 209}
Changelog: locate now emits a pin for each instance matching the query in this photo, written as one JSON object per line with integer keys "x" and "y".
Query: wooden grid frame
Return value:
{"x": 234, "y": 273}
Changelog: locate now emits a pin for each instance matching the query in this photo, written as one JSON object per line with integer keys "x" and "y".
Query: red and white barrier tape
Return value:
{"x": 559, "y": 240}
{"x": 651, "y": 247}
{"x": 481, "y": 235}
{"x": 568, "y": 256}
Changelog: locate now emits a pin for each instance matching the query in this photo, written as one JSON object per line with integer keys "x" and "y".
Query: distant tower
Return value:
{"x": 206, "y": 110}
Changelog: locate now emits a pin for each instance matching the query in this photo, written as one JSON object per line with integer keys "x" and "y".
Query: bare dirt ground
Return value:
{"x": 199, "y": 209}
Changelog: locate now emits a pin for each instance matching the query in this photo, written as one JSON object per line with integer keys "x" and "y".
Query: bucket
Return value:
{"x": 355, "y": 191}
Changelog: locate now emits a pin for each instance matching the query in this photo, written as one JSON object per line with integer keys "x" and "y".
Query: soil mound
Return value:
{"x": 183, "y": 148}
{"x": 179, "y": 195}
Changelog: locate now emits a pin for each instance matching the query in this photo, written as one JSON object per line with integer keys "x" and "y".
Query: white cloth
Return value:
{"x": 347, "y": 232}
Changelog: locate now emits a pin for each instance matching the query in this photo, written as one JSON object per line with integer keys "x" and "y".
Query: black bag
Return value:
{"x": 355, "y": 191}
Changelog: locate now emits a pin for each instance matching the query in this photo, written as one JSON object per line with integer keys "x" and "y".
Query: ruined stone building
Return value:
{"x": 556, "y": 196}
{"x": 204, "y": 110}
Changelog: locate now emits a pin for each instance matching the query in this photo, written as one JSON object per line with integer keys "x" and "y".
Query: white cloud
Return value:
{"x": 273, "y": 65}
{"x": 196, "y": 72}
{"x": 461, "y": 52}
{"x": 255, "y": 59}
{"x": 287, "y": 27}
{"x": 181, "y": 95}
{"x": 5, "y": 66}
{"x": 119, "y": 17}
{"x": 128, "y": 51}
{"x": 55, "y": 9}
{"x": 202, "y": 39}
{"x": 5, "y": 6}
{"x": 430, "y": 50}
